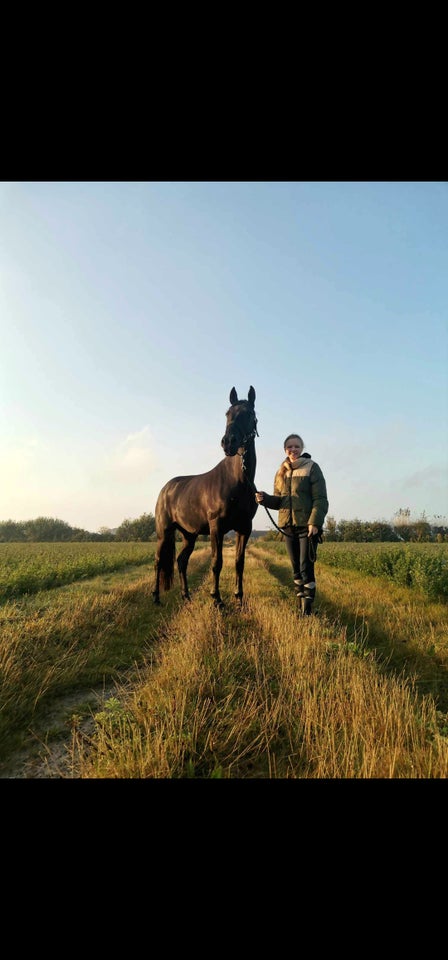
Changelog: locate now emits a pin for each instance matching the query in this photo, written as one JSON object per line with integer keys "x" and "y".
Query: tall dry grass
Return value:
{"x": 77, "y": 636}
{"x": 263, "y": 694}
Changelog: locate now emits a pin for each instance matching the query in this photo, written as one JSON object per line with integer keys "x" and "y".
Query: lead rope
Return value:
{"x": 251, "y": 483}
{"x": 311, "y": 543}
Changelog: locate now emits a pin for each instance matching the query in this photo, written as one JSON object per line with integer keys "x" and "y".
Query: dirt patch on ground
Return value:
{"x": 47, "y": 751}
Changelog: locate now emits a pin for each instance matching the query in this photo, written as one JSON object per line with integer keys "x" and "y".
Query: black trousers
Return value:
{"x": 302, "y": 552}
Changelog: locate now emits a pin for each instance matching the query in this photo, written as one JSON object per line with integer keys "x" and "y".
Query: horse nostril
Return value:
{"x": 229, "y": 441}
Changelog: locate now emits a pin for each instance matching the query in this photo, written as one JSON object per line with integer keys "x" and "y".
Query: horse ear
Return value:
{"x": 251, "y": 395}
{"x": 233, "y": 396}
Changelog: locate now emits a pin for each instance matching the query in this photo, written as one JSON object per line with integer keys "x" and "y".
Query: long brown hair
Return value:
{"x": 293, "y": 436}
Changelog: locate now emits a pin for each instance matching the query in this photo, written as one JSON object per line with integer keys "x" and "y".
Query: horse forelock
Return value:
{"x": 240, "y": 406}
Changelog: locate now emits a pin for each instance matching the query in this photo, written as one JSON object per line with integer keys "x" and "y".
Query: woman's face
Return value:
{"x": 293, "y": 449}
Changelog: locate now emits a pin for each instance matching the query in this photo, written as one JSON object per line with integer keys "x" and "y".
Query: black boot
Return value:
{"x": 299, "y": 591}
{"x": 308, "y": 600}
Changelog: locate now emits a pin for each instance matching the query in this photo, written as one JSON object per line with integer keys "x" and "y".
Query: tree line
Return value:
{"x": 412, "y": 531}
{"x": 401, "y": 529}
{"x": 49, "y": 530}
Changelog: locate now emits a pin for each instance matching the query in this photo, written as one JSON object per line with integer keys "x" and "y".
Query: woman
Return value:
{"x": 300, "y": 496}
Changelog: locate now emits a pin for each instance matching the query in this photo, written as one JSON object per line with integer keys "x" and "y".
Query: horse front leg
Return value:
{"x": 182, "y": 564}
{"x": 240, "y": 551}
{"x": 216, "y": 539}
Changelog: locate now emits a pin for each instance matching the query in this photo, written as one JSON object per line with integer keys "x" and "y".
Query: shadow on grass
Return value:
{"x": 427, "y": 669}
{"x": 395, "y": 657}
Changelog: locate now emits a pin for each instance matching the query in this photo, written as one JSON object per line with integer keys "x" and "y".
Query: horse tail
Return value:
{"x": 166, "y": 559}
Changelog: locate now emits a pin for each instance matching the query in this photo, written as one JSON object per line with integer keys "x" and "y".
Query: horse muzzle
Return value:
{"x": 230, "y": 445}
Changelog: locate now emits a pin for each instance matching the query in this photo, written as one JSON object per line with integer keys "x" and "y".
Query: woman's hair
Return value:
{"x": 293, "y": 436}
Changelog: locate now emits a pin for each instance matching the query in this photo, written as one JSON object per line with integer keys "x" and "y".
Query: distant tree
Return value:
{"x": 43, "y": 529}
{"x": 47, "y": 529}
{"x": 140, "y": 529}
{"x": 381, "y": 531}
{"x": 402, "y": 515}
{"x": 439, "y": 532}
{"x": 10, "y": 531}
{"x": 125, "y": 531}
{"x": 106, "y": 533}
{"x": 401, "y": 523}
{"x": 146, "y": 525}
{"x": 351, "y": 530}
{"x": 422, "y": 529}
{"x": 85, "y": 535}
{"x": 331, "y": 529}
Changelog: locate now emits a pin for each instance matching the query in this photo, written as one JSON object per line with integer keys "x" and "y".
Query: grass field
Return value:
{"x": 28, "y": 568}
{"x": 99, "y": 682}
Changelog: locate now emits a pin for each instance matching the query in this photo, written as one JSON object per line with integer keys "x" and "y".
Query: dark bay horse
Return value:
{"x": 211, "y": 503}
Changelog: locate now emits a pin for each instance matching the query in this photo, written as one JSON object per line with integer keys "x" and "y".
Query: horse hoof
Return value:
{"x": 217, "y": 602}
{"x": 157, "y": 601}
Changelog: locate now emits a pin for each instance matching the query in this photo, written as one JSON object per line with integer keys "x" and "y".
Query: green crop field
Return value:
{"x": 420, "y": 565}
{"x": 27, "y": 568}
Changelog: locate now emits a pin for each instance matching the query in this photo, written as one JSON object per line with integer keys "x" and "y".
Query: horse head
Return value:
{"x": 241, "y": 423}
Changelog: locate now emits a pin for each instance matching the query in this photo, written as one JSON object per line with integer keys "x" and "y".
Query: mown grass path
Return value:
{"x": 68, "y": 651}
{"x": 63, "y": 649}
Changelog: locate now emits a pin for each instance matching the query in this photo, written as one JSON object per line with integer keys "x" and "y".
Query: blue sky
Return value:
{"x": 128, "y": 311}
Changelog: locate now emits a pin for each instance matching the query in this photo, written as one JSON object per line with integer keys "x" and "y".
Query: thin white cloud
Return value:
{"x": 134, "y": 457}
{"x": 434, "y": 477}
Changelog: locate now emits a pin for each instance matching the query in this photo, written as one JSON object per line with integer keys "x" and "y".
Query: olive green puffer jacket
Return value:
{"x": 300, "y": 493}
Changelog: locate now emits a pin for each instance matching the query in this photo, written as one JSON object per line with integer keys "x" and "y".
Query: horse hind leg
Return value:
{"x": 182, "y": 563}
{"x": 164, "y": 564}
{"x": 156, "y": 591}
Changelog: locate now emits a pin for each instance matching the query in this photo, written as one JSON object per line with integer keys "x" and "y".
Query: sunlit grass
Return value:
{"x": 75, "y": 636}
{"x": 423, "y": 566}
{"x": 263, "y": 694}
{"x": 188, "y": 691}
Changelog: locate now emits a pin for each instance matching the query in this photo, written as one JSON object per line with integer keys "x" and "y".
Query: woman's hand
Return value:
{"x": 259, "y": 496}
{"x": 312, "y": 530}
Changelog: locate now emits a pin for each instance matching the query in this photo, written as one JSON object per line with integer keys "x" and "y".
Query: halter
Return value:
{"x": 247, "y": 437}
{"x": 250, "y": 436}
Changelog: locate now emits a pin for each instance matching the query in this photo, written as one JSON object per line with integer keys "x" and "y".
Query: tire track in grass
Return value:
{"x": 107, "y": 609}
